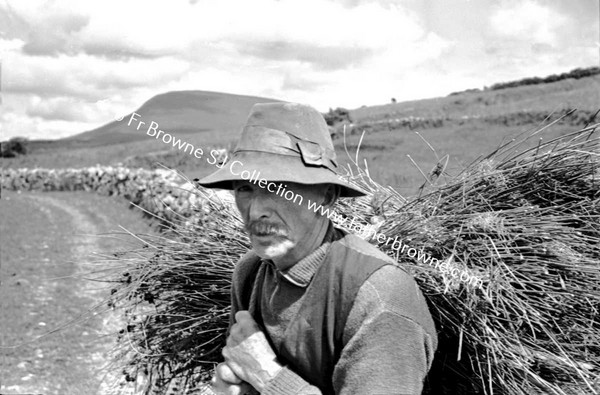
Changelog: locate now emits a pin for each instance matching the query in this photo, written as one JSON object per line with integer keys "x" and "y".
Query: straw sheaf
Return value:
{"x": 532, "y": 235}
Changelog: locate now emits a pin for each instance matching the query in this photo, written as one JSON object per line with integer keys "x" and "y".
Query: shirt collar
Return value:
{"x": 302, "y": 272}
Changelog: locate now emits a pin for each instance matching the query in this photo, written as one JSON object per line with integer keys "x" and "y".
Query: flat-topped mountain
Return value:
{"x": 178, "y": 113}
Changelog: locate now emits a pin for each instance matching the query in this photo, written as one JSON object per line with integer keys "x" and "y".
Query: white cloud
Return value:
{"x": 85, "y": 76}
{"x": 69, "y": 65}
{"x": 67, "y": 55}
{"x": 9, "y": 45}
{"x": 16, "y": 123}
{"x": 528, "y": 21}
{"x": 157, "y": 28}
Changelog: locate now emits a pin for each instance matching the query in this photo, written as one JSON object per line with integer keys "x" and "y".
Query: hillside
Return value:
{"x": 180, "y": 113}
{"x": 462, "y": 126}
{"x": 582, "y": 94}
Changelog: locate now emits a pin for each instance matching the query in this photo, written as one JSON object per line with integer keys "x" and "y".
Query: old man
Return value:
{"x": 314, "y": 309}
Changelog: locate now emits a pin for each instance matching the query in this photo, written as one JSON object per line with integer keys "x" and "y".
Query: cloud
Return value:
{"x": 110, "y": 29}
{"x": 68, "y": 64}
{"x": 296, "y": 81}
{"x": 60, "y": 108}
{"x": 528, "y": 20}
{"x": 40, "y": 118}
{"x": 321, "y": 57}
{"x": 15, "y": 123}
{"x": 56, "y": 34}
{"x": 65, "y": 109}
{"x": 140, "y": 29}
{"x": 535, "y": 38}
{"x": 48, "y": 28}
{"x": 85, "y": 76}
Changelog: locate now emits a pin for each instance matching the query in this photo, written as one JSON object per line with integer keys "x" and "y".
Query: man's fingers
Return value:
{"x": 225, "y": 351}
{"x": 243, "y": 315}
{"x": 226, "y": 374}
{"x": 231, "y": 389}
{"x": 236, "y": 331}
{"x": 244, "y": 327}
{"x": 233, "y": 366}
{"x": 226, "y": 382}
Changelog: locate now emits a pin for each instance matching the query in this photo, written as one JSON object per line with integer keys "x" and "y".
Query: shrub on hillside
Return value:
{"x": 339, "y": 115}
{"x": 13, "y": 147}
{"x": 575, "y": 74}
{"x": 337, "y": 120}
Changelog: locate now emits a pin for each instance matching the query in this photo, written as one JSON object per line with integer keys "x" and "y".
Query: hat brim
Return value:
{"x": 256, "y": 166}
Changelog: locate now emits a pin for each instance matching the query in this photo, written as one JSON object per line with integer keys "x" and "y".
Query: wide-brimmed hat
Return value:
{"x": 283, "y": 142}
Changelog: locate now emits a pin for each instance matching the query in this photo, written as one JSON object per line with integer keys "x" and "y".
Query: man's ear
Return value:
{"x": 332, "y": 193}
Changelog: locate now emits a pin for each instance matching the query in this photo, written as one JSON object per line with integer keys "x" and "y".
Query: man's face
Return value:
{"x": 279, "y": 229}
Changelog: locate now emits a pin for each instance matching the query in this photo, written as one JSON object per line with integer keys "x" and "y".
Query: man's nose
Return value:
{"x": 259, "y": 207}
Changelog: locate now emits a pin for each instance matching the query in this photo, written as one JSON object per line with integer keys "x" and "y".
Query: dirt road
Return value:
{"x": 49, "y": 342}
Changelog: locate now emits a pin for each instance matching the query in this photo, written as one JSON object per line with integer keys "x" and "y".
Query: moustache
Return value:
{"x": 264, "y": 228}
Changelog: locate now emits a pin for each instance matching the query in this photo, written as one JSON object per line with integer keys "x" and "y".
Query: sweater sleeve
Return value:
{"x": 389, "y": 338}
{"x": 289, "y": 383}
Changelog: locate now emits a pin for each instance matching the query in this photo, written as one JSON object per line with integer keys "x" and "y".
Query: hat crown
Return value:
{"x": 283, "y": 142}
{"x": 299, "y": 120}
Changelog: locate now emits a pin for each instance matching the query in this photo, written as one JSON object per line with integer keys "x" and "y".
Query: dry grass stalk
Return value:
{"x": 528, "y": 223}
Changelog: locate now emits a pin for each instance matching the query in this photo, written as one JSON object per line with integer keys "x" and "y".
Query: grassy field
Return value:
{"x": 462, "y": 126}
{"x": 49, "y": 343}
{"x": 387, "y": 152}
{"x": 582, "y": 94}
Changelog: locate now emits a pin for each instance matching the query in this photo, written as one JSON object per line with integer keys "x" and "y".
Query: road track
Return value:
{"x": 50, "y": 343}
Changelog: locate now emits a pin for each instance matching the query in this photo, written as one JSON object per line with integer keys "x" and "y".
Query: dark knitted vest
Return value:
{"x": 314, "y": 338}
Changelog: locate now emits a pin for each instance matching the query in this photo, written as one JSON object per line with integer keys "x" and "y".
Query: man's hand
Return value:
{"x": 225, "y": 382}
{"x": 249, "y": 354}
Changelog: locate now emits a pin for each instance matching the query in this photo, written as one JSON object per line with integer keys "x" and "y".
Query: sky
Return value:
{"x": 68, "y": 66}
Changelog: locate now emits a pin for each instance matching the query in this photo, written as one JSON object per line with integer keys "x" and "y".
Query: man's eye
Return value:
{"x": 243, "y": 188}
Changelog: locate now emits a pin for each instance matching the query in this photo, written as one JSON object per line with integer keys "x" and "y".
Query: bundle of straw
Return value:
{"x": 527, "y": 223}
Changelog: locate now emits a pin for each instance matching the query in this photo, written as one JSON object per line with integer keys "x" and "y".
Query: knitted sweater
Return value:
{"x": 389, "y": 337}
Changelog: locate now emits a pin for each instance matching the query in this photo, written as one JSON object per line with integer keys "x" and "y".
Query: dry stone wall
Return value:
{"x": 162, "y": 193}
